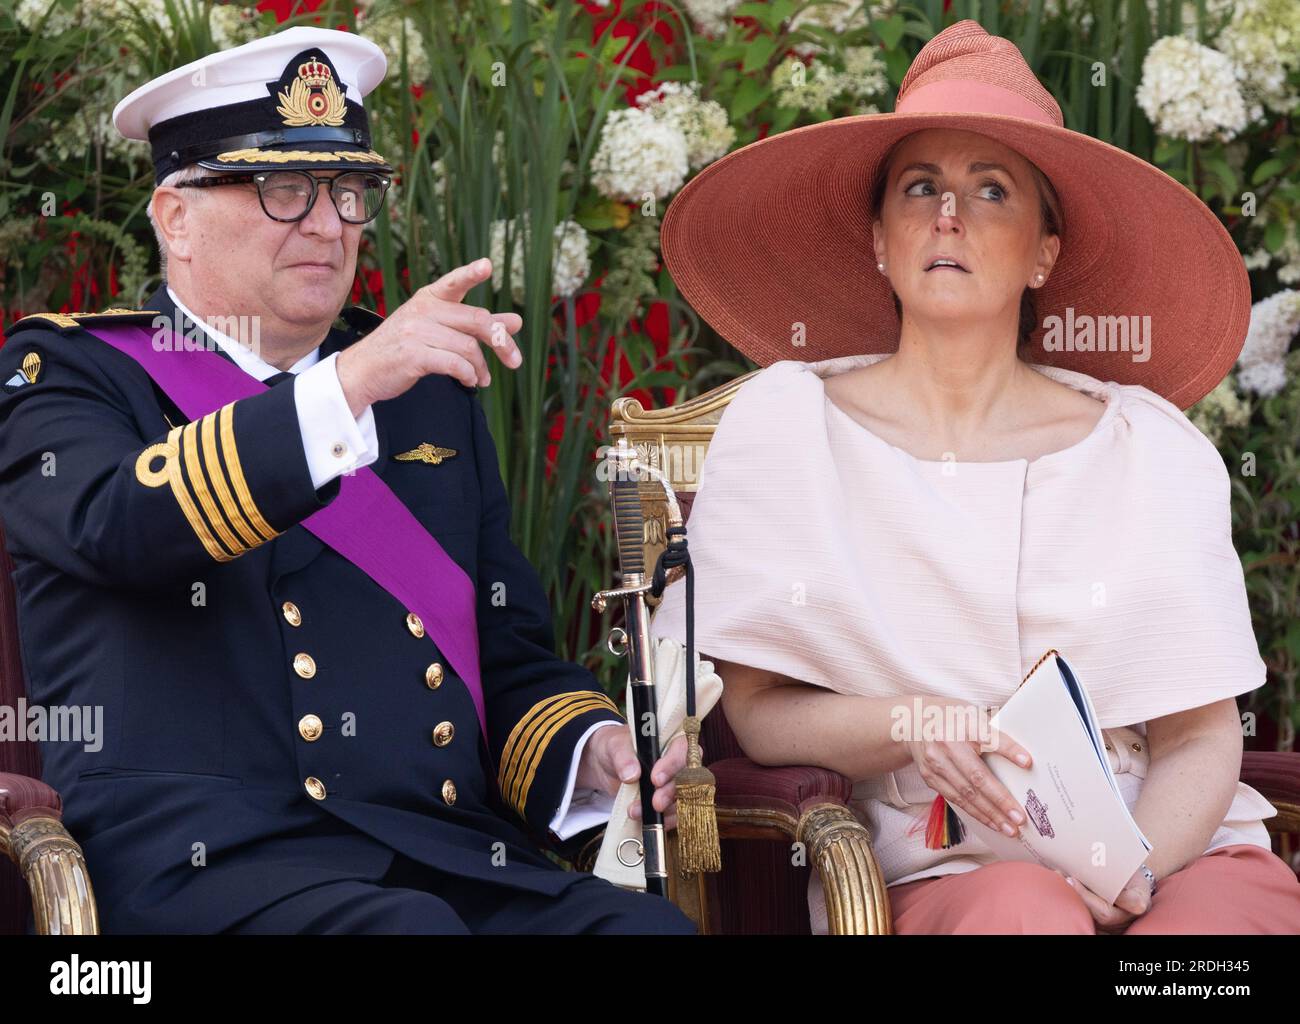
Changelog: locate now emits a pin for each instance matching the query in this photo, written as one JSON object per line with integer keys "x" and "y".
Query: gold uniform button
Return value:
{"x": 414, "y": 624}
{"x": 449, "y": 791}
{"x": 1107, "y": 744}
{"x": 291, "y": 613}
{"x": 310, "y": 727}
{"x": 315, "y": 787}
{"x": 443, "y": 733}
{"x": 304, "y": 665}
{"x": 433, "y": 675}
{"x": 1137, "y": 746}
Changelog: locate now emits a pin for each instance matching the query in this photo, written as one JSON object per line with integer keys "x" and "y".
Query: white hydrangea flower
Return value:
{"x": 1075, "y": 10}
{"x": 1222, "y": 407}
{"x": 805, "y": 88}
{"x": 638, "y": 153}
{"x": 383, "y": 26}
{"x": 1263, "y": 41}
{"x": 571, "y": 265}
{"x": 703, "y": 123}
{"x": 1189, "y": 91}
{"x": 864, "y": 72}
{"x": 1274, "y": 322}
{"x": 840, "y": 17}
{"x": 863, "y": 76}
{"x": 1264, "y": 379}
{"x": 711, "y": 17}
{"x": 233, "y": 25}
{"x": 1258, "y": 260}
{"x": 29, "y": 14}
{"x": 570, "y": 259}
{"x": 92, "y": 125}
{"x": 1217, "y": 13}
{"x": 440, "y": 177}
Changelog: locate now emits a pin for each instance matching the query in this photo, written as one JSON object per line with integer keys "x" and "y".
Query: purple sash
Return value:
{"x": 366, "y": 522}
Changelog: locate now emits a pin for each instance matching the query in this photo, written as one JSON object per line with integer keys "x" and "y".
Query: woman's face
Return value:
{"x": 965, "y": 196}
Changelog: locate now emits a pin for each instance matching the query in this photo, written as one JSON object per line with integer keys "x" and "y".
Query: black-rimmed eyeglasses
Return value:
{"x": 288, "y": 196}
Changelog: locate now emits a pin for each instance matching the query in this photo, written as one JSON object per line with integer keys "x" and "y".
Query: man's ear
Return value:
{"x": 170, "y": 214}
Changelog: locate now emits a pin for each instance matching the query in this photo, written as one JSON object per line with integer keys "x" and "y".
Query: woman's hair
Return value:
{"x": 1053, "y": 222}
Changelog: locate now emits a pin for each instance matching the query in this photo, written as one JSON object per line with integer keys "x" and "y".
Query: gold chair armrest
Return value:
{"x": 50, "y": 860}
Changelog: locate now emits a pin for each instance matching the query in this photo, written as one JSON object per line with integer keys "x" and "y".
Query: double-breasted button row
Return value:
{"x": 449, "y": 792}
{"x": 414, "y": 624}
{"x": 291, "y": 613}
{"x": 442, "y": 734}
{"x": 310, "y": 728}
{"x": 315, "y": 788}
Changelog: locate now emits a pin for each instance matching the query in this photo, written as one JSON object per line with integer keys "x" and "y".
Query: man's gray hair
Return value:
{"x": 190, "y": 172}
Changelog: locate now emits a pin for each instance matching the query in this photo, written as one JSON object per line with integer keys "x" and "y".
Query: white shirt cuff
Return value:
{"x": 588, "y": 807}
{"x": 335, "y": 441}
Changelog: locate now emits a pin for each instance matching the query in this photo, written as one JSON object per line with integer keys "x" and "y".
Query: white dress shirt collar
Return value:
{"x": 244, "y": 357}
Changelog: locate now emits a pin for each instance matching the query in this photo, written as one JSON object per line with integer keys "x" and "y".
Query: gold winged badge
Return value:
{"x": 426, "y": 452}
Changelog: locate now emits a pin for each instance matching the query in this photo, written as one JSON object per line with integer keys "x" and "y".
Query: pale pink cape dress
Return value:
{"x": 828, "y": 555}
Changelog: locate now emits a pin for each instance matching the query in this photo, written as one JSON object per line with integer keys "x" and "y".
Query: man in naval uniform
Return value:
{"x": 286, "y": 747}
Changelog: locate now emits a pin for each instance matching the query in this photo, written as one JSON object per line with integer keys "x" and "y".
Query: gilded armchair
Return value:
{"x": 41, "y": 865}
{"x": 764, "y": 811}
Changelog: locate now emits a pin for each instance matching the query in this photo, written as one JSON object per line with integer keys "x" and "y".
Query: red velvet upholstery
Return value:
{"x": 1276, "y": 774}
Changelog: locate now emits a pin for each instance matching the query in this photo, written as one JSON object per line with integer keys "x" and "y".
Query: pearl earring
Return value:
{"x": 880, "y": 267}
{"x": 1038, "y": 278}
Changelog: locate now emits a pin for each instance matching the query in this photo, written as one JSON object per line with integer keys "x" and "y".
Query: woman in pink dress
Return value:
{"x": 922, "y": 492}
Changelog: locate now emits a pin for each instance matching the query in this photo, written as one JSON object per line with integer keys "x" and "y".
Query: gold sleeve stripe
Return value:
{"x": 170, "y": 473}
{"x": 190, "y": 448}
{"x": 528, "y": 723}
{"x": 509, "y": 756}
{"x": 231, "y": 455}
{"x": 541, "y": 740}
{"x": 213, "y": 465}
{"x": 527, "y": 742}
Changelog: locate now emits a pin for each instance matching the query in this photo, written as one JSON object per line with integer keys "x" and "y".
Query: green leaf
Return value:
{"x": 782, "y": 10}
{"x": 750, "y": 94}
{"x": 896, "y": 64}
{"x": 1274, "y": 236}
{"x": 764, "y": 14}
{"x": 890, "y": 30}
{"x": 1267, "y": 170}
{"x": 782, "y": 120}
{"x": 758, "y": 53}
{"x": 730, "y": 51}
{"x": 1168, "y": 150}
{"x": 674, "y": 73}
{"x": 1222, "y": 170}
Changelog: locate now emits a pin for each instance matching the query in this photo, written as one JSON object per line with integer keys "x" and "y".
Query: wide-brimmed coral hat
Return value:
{"x": 778, "y": 234}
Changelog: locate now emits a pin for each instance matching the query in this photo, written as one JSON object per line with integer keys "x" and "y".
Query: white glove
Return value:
{"x": 669, "y": 675}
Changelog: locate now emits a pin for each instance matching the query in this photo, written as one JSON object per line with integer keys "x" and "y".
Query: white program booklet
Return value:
{"x": 1077, "y": 819}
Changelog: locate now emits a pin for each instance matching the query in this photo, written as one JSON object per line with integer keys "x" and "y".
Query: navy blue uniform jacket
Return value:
{"x": 216, "y": 792}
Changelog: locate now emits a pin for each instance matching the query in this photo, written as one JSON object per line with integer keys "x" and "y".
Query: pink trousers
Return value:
{"x": 1234, "y": 890}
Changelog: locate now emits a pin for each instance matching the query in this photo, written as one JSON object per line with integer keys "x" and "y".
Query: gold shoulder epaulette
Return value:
{"x": 67, "y": 322}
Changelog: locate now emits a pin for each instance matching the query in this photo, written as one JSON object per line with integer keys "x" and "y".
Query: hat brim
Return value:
{"x": 778, "y": 234}
{"x": 305, "y": 156}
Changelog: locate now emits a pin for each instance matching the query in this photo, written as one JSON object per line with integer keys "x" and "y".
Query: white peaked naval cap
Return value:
{"x": 290, "y": 100}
